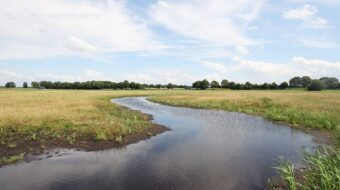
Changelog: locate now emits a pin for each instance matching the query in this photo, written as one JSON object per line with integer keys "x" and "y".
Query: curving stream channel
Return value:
{"x": 205, "y": 149}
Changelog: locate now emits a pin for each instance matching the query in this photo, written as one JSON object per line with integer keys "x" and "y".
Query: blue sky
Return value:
{"x": 166, "y": 41}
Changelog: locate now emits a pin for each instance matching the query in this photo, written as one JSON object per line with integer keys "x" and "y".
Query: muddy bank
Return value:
{"x": 38, "y": 147}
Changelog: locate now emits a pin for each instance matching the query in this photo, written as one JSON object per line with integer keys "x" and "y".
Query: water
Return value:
{"x": 205, "y": 149}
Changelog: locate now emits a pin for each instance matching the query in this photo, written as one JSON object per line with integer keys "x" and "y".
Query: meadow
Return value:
{"x": 317, "y": 110}
{"x": 40, "y": 117}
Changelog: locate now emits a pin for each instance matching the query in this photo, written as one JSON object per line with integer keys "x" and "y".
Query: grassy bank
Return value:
{"x": 31, "y": 119}
{"x": 322, "y": 171}
{"x": 318, "y": 110}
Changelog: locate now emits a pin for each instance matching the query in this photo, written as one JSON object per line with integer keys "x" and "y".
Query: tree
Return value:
{"x": 295, "y": 82}
{"x": 231, "y": 85}
{"x": 170, "y": 86}
{"x": 330, "y": 82}
{"x": 247, "y": 86}
{"x": 45, "y": 84}
{"x": 158, "y": 86}
{"x": 283, "y": 85}
{"x": 315, "y": 85}
{"x": 215, "y": 84}
{"x": 35, "y": 84}
{"x": 196, "y": 84}
{"x": 125, "y": 84}
{"x": 132, "y": 85}
{"x": 273, "y": 86}
{"x": 225, "y": 83}
{"x": 10, "y": 85}
{"x": 24, "y": 85}
{"x": 205, "y": 84}
{"x": 306, "y": 81}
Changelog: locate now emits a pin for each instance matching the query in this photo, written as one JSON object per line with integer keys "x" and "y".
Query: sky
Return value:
{"x": 168, "y": 41}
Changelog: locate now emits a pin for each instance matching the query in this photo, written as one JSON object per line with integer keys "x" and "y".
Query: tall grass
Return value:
{"x": 322, "y": 171}
{"x": 318, "y": 110}
{"x": 67, "y": 115}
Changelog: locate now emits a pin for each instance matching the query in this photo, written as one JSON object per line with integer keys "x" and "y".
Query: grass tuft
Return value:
{"x": 322, "y": 171}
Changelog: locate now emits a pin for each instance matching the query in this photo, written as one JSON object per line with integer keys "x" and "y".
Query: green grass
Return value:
{"x": 322, "y": 172}
{"x": 11, "y": 159}
{"x": 318, "y": 110}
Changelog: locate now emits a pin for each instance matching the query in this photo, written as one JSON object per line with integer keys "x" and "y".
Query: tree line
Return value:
{"x": 295, "y": 82}
{"x": 93, "y": 85}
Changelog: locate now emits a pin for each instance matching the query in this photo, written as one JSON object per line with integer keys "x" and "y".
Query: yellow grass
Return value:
{"x": 67, "y": 115}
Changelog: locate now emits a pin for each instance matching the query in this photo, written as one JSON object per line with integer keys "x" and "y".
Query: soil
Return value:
{"x": 36, "y": 147}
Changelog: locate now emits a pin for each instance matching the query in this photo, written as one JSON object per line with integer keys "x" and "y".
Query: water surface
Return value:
{"x": 205, "y": 149}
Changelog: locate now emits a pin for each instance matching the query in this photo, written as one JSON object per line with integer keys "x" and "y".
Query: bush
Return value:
{"x": 10, "y": 85}
{"x": 25, "y": 85}
{"x": 315, "y": 85}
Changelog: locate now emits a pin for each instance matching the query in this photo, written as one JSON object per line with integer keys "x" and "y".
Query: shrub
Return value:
{"x": 10, "y": 85}
{"x": 24, "y": 85}
{"x": 315, "y": 85}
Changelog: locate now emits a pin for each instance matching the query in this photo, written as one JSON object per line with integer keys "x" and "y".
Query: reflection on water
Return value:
{"x": 205, "y": 149}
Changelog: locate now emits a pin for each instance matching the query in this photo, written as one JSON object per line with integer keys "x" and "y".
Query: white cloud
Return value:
{"x": 318, "y": 43}
{"x": 307, "y": 14}
{"x": 40, "y": 28}
{"x": 164, "y": 76}
{"x": 150, "y": 76}
{"x": 242, "y": 50}
{"x": 218, "y": 22}
{"x": 77, "y": 44}
{"x": 218, "y": 67}
{"x": 260, "y": 71}
{"x": 86, "y": 75}
{"x": 326, "y": 2}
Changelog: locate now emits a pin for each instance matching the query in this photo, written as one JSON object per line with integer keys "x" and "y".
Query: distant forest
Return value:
{"x": 296, "y": 82}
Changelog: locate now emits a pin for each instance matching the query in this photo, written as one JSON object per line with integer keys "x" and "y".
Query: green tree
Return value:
{"x": 196, "y": 84}
{"x": 225, "y": 83}
{"x": 204, "y": 84}
{"x": 273, "y": 86}
{"x": 315, "y": 85}
{"x": 330, "y": 82}
{"x": 125, "y": 84}
{"x": 24, "y": 85}
{"x": 306, "y": 81}
{"x": 10, "y": 85}
{"x": 158, "y": 86}
{"x": 132, "y": 85}
{"x": 170, "y": 86}
{"x": 35, "y": 84}
{"x": 215, "y": 84}
{"x": 295, "y": 82}
{"x": 283, "y": 85}
{"x": 247, "y": 86}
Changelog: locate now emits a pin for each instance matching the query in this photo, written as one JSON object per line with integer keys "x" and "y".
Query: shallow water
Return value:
{"x": 205, "y": 149}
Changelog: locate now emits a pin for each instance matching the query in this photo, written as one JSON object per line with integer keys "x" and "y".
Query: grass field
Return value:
{"x": 319, "y": 110}
{"x": 71, "y": 115}
{"x": 41, "y": 116}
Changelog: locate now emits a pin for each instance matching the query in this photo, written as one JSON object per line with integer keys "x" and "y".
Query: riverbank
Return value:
{"x": 300, "y": 109}
{"x": 32, "y": 121}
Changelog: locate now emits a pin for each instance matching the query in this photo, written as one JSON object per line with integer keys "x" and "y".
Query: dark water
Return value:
{"x": 204, "y": 150}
